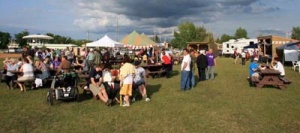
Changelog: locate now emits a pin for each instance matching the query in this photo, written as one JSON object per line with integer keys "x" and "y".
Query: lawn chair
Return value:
{"x": 296, "y": 64}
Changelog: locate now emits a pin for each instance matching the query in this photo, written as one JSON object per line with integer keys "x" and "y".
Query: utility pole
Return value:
{"x": 117, "y": 29}
{"x": 88, "y": 35}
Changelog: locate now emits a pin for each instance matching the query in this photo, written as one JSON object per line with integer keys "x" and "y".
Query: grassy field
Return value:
{"x": 226, "y": 104}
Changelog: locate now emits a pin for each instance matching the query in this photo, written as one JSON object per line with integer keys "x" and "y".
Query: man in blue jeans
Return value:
{"x": 211, "y": 62}
{"x": 185, "y": 71}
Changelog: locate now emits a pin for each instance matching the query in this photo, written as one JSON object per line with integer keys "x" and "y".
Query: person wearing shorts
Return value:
{"x": 140, "y": 80}
{"x": 126, "y": 79}
{"x": 96, "y": 86}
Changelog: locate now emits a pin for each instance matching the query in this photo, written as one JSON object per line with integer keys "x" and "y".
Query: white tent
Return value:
{"x": 104, "y": 42}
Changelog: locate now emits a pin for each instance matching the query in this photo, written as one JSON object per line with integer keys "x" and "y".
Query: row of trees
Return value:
{"x": 5, "y": 38}
{"x": 239, "y": 33}
{"x": 188, "y": 32}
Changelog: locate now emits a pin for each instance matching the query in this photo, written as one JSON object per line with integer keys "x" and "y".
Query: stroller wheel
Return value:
{"x": 50, "y": 97}
{"x": 76, "y": 94}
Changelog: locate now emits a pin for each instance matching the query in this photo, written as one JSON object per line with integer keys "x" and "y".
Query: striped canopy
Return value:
{"x": 135, "y": 39}
{"x": 145, "y": 37}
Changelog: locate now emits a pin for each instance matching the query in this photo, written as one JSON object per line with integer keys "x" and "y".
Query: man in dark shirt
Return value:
{"x": 96, "y": 86}
{"x": 201, "y": 65}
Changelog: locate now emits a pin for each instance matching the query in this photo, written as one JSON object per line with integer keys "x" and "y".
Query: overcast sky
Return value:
{"x": 116, "y": 18}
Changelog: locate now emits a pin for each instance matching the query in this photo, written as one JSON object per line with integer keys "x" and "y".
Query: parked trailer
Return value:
{"x": 239, "y": 44}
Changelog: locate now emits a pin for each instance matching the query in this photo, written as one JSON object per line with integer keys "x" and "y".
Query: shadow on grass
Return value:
{"x": 85, "y": 96}
{"x": 152, "y": 89}
{"x": 174, "y": 73}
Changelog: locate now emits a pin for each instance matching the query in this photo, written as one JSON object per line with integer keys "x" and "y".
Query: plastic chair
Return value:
{"x": 296, "y": 64}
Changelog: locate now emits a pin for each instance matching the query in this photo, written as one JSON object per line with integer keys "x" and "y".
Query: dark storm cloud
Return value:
{"x": 175, "y": 10}
{"x": 146, "y": 14}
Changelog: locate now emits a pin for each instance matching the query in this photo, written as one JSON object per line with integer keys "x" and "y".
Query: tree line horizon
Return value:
{"x": 187, "y": 32}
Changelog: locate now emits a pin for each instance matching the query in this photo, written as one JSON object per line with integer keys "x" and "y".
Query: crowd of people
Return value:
{"x": 246, "y": 55}
{"x": 36, "y": 65}
{"x": 205, "y": 62}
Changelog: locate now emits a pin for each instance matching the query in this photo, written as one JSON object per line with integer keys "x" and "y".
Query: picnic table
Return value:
{"x": 270, "y": 77}
{"x": 153, "y": 69}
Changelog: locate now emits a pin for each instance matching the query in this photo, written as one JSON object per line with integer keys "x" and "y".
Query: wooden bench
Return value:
{"x": 153, "y": 73}
{"x": 285, "y": 80}
{"x": 253, "y": 81}
{"x": 24, "y": 83}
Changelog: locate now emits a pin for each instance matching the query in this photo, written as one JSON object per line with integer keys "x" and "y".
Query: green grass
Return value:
{"x": 226, "y": 104}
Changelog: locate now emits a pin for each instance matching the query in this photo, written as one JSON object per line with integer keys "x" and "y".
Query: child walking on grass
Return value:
{"x": 127, "y": 72}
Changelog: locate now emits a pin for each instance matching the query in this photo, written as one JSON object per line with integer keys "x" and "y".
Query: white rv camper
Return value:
{"x": 239, "y": 44}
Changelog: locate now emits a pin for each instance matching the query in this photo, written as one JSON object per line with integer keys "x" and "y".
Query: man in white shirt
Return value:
{"x": 277, "y": 65}
{"x": 185, "y": 71}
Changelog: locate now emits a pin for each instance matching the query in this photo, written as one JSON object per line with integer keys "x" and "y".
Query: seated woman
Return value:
{"x": 56, "y": 63}
{"x": 43, "y": 67}
{"x": 64, "y": 66}
{"x": 80, "y": 64}
{"x": 27, "y": 70}
{"x": 277, "y": 65}
{"x": 10, "y": 67}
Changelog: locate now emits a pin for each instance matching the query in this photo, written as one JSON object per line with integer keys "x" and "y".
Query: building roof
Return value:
{"x": 38, "y": 37}
{"x": 279, "y": 38}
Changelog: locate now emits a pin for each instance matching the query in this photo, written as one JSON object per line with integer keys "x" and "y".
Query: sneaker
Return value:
{"x": 147, "y": 99}
{"x": 133, "y": 100}
{"x": 109, "y": 102}
{"x": 125, "y": 105}
{"x": 86, "y": 87}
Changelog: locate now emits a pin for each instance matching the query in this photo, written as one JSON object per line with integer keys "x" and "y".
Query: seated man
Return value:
{"x": 253, "y": 70}
{"x": 96, "y": 86}
{"x": 151, "y": 61}
{"x": 65, "y": 65}
{"x": 82, "y": 66}
{"x": 277, "y": 65}
{"x": 112, "y": 87}
{"x": 140, "y": 81}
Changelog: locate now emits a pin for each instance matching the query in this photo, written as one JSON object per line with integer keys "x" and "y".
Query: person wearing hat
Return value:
{"x": 140, "y": 81}
{"x": 253, "y": 68}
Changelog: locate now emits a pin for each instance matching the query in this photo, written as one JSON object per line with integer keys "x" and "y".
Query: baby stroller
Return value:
{"x": 63, "y": 87}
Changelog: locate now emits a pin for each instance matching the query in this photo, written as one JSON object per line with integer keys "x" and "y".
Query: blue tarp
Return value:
{"x": 289, "y": 46}
{"x": 251, "y": 46}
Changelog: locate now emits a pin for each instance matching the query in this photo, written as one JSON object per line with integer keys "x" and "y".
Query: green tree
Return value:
{"x": 240, "y": 33}
{"x": 19, "y": 38}
{"x": 296, "y": 33}
{"x": 4, "y": 39}
{"x": 188, "y": 32}
{"x": 156, "y": 39}
{"x": 57, "y": 39}
{"x": 225, "y": 38}
{"x": 218, "y": 40}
